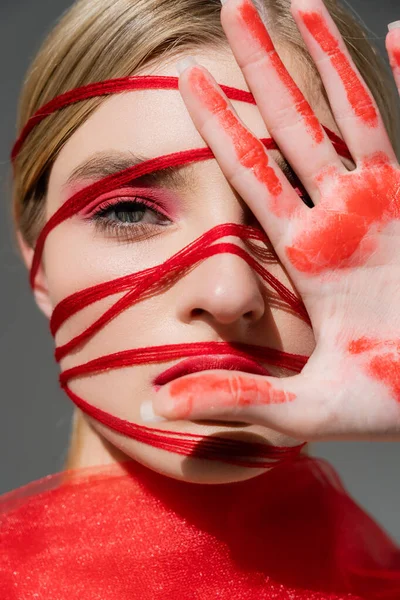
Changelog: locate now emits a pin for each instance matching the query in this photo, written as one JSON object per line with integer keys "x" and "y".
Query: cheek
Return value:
{"x": 77, "y": 257}
{"x": 71, "y": 263}
{"x": 74, "y": 261}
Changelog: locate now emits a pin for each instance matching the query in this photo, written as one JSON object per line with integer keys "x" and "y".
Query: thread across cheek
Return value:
{"x": 249, "y": 150}
{"x": 251, "y": 21}
{"x": 209, "y": 391}
{"x": 357, "y": 94}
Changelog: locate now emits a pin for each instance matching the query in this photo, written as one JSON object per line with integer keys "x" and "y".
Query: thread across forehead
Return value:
{"x": 126, "y": 84}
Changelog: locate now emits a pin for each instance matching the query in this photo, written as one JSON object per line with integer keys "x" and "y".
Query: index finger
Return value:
{"x": 242, "y": 157}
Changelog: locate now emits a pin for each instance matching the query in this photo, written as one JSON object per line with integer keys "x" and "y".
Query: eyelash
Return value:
{"x": 129, "y": 229}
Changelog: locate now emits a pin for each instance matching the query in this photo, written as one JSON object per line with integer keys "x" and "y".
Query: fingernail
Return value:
{"x": 394, "y": 25}
{"x": 147, "y": 413}
{"x": 186, "y": 62}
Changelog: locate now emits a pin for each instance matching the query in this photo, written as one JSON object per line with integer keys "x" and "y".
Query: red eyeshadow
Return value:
{"x": 163, "y": 200}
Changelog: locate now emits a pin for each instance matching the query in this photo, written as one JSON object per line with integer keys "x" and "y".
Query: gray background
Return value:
{"x": 34, "y": 414}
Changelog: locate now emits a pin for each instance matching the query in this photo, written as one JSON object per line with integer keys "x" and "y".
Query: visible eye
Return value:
{"x": 128, "y": 218}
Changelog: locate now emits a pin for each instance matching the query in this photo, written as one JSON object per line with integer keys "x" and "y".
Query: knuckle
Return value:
{"x": 238, "y": 173}
{"x": 236, "y": 391}
{"x": 257, "y": 59}
{"x": 286, "y": 117}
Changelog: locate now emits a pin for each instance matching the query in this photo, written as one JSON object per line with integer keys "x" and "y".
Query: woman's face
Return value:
{"x": 221, "y": 299}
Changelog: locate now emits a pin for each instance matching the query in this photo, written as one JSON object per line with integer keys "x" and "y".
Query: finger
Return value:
{"x": 287, "y": 114}
{"x": 353, "y": 105}
{"x": 270, "y": 401}
{"x": 243, "y": 159}
{"x": 307, "y": 407}
{"x": 393, "y": 49}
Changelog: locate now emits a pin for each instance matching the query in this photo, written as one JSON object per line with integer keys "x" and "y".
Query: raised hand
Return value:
{"x": 343, "y": 255}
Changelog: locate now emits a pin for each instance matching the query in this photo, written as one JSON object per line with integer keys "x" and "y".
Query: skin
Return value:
{"x": 343, "y": 255}
{"x": 221, "y": 299}
{"x": 393, "y": 50}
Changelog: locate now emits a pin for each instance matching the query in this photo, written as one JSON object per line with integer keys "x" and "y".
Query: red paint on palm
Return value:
{"x": 357, "y": 94}
{"x": 384, "y": 366}
{"x": 253, "y": 24}
{"x": 343, "y": 238}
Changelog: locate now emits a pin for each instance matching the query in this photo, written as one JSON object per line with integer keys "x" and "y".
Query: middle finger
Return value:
{"x": 287, "y": 114}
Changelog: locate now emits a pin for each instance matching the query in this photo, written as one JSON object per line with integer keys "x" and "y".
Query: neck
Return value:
{"x": 88, "y": 448}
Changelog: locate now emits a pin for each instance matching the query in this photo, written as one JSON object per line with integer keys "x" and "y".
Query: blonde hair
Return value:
{"x": 103, "y": 39}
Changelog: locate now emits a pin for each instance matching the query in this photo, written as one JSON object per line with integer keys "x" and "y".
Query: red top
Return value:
{"x": 124, "y": 532}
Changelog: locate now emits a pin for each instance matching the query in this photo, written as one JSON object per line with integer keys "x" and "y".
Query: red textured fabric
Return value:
{"x": 124, "y": 532}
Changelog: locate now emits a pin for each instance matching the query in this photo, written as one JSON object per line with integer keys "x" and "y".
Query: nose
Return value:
{"x": 222, "y": 289}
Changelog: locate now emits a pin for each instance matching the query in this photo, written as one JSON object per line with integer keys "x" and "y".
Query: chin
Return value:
{"x": 189, "y": 468}
{"x": 185, "y": 468}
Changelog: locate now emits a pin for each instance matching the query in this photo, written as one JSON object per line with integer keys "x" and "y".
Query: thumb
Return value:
{"x": 289, "y": 404}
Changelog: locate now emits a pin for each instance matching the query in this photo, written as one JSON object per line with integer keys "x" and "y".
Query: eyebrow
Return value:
{"x": 103, "y": 164}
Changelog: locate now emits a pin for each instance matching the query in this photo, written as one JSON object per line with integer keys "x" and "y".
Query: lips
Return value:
{"x": 205, "y": 363}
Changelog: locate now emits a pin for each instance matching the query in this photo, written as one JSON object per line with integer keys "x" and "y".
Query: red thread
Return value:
{"x": 125, "y": 84}
{"x": 152, "y": 281}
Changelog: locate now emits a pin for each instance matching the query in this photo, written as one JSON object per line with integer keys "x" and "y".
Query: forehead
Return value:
{"x": 153, "y": 122}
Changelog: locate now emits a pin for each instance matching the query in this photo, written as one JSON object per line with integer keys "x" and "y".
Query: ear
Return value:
{"x": 41, "y": 291}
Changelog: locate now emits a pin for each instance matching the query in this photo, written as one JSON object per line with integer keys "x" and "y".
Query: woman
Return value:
{"x": 128, "y": 298}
